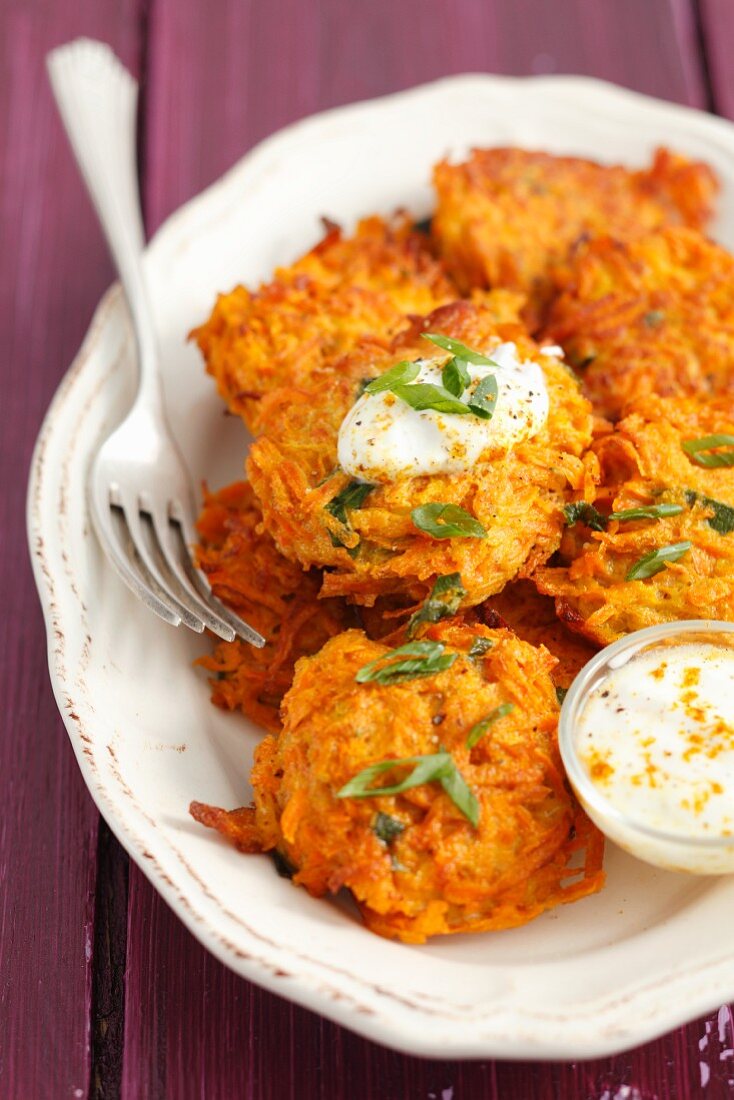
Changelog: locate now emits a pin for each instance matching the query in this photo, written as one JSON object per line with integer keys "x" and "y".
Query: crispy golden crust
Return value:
{"x": 533, "y": 618}
{"x": 517, "y": 495}
{"x": 440, "y": 874}
{"x": 653, "y": 316}
{"x": 343, "y": 290}
{"x": 272, "y": 594}
{"x": 507, "y": 217}
{"x": 642, "y": 462}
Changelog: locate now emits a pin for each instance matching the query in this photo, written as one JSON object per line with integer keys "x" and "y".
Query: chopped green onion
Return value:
{"x": 461, "y": 351}
{"x": 437, "y": 767}
{"x": 424, "y": 395}
{"x": 704, "y": 451}
{"x": 654, "y": 562}
{"x": 482, "y": 402}
{"x": 447, "y": 521}
{"x": 444, "y": 600}
{"x": 480, "y": 646}
{"x": 455, "y": 376}
{"x": 722, "y": 519}
{"x": 477, "y": 732}
{"x": 404, "y": 371}
{"x": 387, "y": 828}
{"x": 352, "y": 495}
{"x": 648, "y": 511}
{"x": 421, "y": 659}
{"x": 583, "y": 512}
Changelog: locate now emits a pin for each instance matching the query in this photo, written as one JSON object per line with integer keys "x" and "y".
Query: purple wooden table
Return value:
{"x": 102, "y": 992}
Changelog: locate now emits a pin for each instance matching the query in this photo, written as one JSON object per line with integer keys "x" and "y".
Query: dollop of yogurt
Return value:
{"x": 382, "y": 438}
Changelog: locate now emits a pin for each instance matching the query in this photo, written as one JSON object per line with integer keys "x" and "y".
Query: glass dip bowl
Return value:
{"x": 643, "y": 826}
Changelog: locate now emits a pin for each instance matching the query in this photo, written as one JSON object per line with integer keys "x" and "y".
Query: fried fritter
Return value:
{"x": 414, "y": 861}
{"x": 508, "y": 217}
{"x": 533, "y": 618}
{"x": 643, "y": 463}
{"x": 344, "y": 289}
{"x": 653, "y": 316}
{"x": 272, "y": 594}
{"x": 516, "y": 494}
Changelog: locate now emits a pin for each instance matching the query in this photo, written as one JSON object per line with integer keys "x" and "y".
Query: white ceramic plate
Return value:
{"x": 653, "y": 949}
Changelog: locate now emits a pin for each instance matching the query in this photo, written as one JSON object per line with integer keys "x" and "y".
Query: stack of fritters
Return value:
{"x": 610, "y": 264}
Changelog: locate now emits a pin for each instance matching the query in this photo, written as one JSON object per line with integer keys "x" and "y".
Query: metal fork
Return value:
{"x": 139, "y": 490}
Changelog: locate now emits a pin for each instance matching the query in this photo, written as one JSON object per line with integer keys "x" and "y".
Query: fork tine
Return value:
{"x": 140, "y": 543}
{"x": 169, "y": 543}
{"x": 199, "y": 579}
{"x": 120, "y": 560}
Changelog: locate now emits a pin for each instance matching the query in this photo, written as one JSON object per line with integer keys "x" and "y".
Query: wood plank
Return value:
{"x": 717, "y": 28}
{"x": 221, "y": 77}
{"x": 54, "y": 270}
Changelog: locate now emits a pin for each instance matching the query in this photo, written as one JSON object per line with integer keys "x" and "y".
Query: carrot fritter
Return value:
{"x": 652, "y": 316}
{"x": 508, "y": 217}
{"x": 344, "y": 289}
{"x": 414, "y": 861}
{"x": 272, "y": 594}
{"x": 516, "y": 494}
{"x": 533, "y": 618}
{"x": 643, "y": 463}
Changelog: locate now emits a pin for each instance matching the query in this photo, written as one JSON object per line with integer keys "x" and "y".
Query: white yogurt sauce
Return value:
{"x": 656, "y": 737}
{"x": 382, "y": 438}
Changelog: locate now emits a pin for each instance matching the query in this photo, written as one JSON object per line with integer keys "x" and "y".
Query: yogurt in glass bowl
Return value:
{"x": 647, "y": 739}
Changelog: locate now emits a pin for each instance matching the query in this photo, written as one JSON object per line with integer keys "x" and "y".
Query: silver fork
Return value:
{"x": 139, "y": 490}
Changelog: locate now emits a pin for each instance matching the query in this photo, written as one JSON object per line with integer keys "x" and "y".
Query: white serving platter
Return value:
{"x": 653, "y": 949}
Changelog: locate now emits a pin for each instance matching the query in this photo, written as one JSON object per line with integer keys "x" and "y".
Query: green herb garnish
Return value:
{"x": 653, "y": 318}
{"x": 352, "y": 495}
{"x": 424, "y": 395}
{"x": 647, "y": 511}
{"x": 444, "y": 600}
{"x": 654, "y": 562}
{"x": 704, "y": 451}
{"x": 455, "y": 376}
{"x": 438, "y": 767}
{"x": 447, "y": 521}
{"x": 402, "y": 372}
{"x": 722, "y": 519}
{"x": 420, "y": 659}
{"x": 482, "y": 402}
{"x": 480, "y": 646}
{"x": 586, "y": 513}
{"x": 477, "y": 732}
{"x": 583, "y": 512}
{"x": 561, "y": 694}
{"x": 387, "y": 828}
{"x": 461, "y": 351}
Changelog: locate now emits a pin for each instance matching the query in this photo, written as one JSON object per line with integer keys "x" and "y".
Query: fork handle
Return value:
{"x": 97, "y": 98}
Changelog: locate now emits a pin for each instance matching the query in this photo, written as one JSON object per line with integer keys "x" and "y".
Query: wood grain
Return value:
{"x": 54, "y": 268}
{"x": 717, "y": 30}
